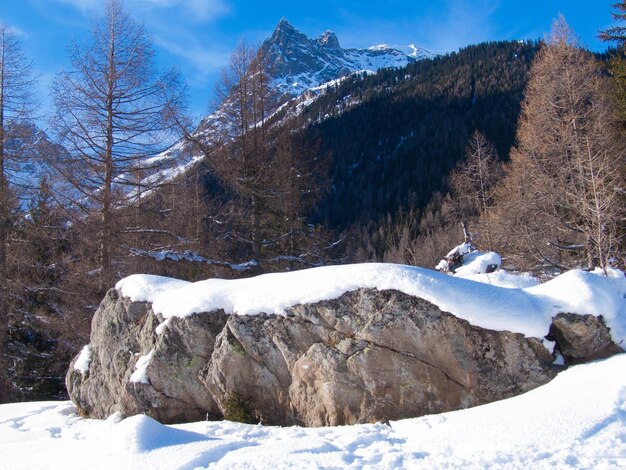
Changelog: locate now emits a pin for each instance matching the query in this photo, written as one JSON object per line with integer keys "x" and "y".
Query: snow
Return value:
{"x": 317, "y": 64}
{"x": 476, "y": 262}
{"x": 83, "y": 360}
{"x": 147, "y": 287}
{"x": 472, "y": 261}
{"x": 462, "y": 249}
{"x": 191, "y": 256}
{"x": 585, "y": 292}
{"x": 578, "y": 420}
{"x": 443, "y": 266}
{"x": 140, "y": 373}
{"x": 503, "y": 278}
{"x": 526, "y": 310}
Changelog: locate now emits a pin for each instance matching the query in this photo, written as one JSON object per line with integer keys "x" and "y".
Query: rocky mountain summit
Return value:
{"x": 298, "y": 63}
{"x": 366, "y": 355}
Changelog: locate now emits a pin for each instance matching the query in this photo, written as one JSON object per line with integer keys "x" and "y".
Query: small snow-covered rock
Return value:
{"x": 478, "y": 262}
{"x": 465, "y": 259}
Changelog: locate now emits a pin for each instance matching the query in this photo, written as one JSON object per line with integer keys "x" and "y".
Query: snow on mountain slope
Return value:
{"x": 299, "y": 63}
{"x": 578, "y": 420}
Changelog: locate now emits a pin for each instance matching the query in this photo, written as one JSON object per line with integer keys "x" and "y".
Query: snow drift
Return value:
{"x": 522, "y": 310}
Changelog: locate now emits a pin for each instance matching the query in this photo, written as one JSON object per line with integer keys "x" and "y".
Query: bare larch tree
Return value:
{"x": 113, "y": 113}
{"x": 473, "y": 181}
{"x": 243, "y": 162}
{"x": 561, "y": 202}
{"x": 16, "y": 85}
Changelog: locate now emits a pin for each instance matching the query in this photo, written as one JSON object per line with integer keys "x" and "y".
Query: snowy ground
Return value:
{"x": 576, "y": 421}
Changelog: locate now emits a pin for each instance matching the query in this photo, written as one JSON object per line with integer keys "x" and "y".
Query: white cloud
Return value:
{"x": 194, "y": 10}
{"x": 199, "y": 56}
{"x": 83, "y": 5}
{"x": 200, "y": 10}
{"x": 178, "y": 27}
{"x": 18, "y": 32}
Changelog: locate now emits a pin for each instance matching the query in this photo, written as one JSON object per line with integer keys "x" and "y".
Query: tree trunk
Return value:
{"x": 105, "y": 232}
{"x": 256, "y": 228}
{"x": 4, "y": 314}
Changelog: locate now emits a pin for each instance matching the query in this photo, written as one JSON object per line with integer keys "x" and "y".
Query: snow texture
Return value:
{"x": 476, "y": 262}
{"x": 578, "y": 420}
{"x": 522, "y": 310}
{"x": 140, "y": 374}
{"x": 83, "y": 360}
{"x": 463, "y": 249}
{"x": 147, "y": 287}
{"x": 503, "y": 278}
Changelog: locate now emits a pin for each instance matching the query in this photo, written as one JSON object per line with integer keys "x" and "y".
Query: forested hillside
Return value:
{"x": 367, "y": 147}
{"x": 398, "y": 133}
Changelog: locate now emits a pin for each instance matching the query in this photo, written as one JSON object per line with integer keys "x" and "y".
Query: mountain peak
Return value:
{"x": 329, "y": 39}
{"x": 285, "y": 35}
{"x": 284, "y": 25}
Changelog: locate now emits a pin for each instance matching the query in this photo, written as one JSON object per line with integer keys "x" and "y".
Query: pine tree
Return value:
{"x": 617, "y": 64}
{"x": 616, "y": 33}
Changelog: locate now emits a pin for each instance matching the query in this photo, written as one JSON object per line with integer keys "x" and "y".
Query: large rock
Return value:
{"x": 367, "y": 356}
{"x": 121, "y": 332}
{"x": 582, "y": 338}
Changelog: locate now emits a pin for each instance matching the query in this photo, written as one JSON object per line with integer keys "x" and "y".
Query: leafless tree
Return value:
{"x": 16, "y": 85}
{"x": 473, "y": 181}
{"x": 563, "y": 194}
{"x": 243, "y": 161}
{"x": 270, "y": 168}
{"x": 113, "y": 114}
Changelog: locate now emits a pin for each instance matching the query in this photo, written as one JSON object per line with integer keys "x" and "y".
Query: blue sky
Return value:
{"x": 197, "y": 36}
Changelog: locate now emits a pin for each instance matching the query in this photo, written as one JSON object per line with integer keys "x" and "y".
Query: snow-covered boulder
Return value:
{"x": 326, "y": 346}
{"x": 465, "y": 259}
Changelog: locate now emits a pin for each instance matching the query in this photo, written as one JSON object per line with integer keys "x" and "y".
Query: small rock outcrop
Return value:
{"x": 366, "y": 356}
{"x": 582, "y": 338}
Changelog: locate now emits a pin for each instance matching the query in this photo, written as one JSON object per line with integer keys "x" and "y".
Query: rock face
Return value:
{"x": 123, "y": 331}
{"x": 582, "y": 338}
{"x": 367, "y": 356}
